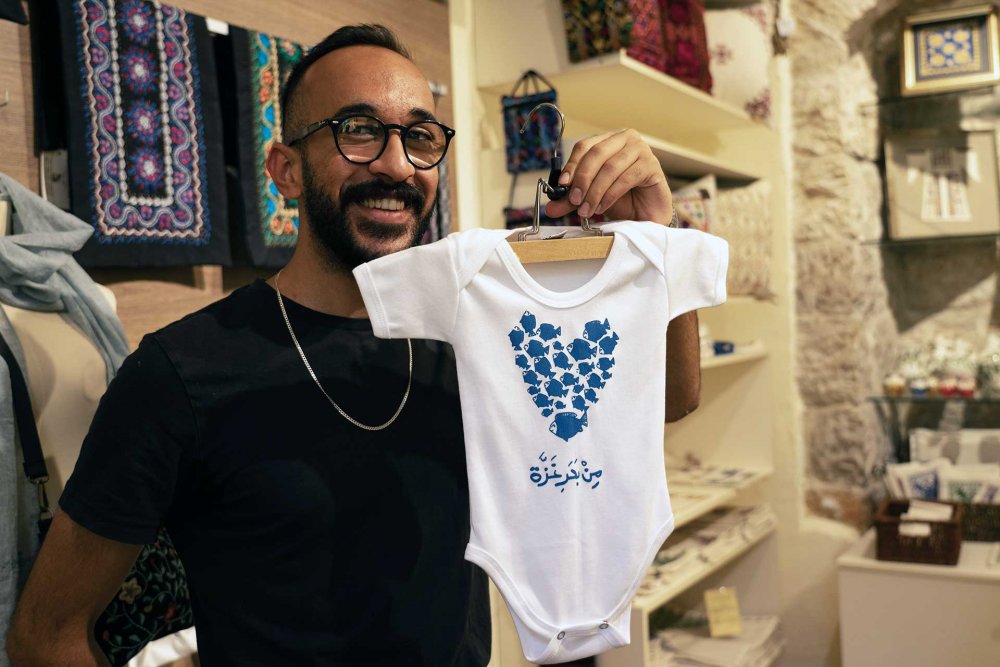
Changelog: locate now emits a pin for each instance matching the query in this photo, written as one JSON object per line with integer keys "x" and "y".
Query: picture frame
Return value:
{"x": 950, "y": 50}
{"x": 942, "y": 184}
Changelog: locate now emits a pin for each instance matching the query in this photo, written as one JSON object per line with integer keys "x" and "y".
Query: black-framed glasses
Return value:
{"x": 362, "y": 139}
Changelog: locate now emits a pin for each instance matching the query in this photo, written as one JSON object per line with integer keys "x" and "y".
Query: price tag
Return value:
{"x": 723, "y": 608}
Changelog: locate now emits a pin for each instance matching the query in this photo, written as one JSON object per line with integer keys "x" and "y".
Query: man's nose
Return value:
{"x": 392, "y": 163}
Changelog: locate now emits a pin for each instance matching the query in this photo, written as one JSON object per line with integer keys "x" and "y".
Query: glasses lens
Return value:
{"x": 360, "y": 139}
{"x": 425, "y": 144}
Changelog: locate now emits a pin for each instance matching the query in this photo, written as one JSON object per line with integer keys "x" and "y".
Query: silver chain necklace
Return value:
{"x": 406, "y": 395}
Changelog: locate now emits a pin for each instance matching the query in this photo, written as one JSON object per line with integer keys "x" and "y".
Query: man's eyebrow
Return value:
{"x": 365, "y": 108}
{"x": 358, "y": 107}
{"x": 422, "y": 114}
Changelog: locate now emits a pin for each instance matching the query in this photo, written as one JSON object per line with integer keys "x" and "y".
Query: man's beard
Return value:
{"x": 330, "y": 226}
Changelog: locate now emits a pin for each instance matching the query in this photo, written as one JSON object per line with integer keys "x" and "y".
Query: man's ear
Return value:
{"x": 284, "y": 168}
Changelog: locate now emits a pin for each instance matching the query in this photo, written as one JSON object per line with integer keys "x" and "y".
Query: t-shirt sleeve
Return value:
{"x": 412, "y": 293}
{"x": 695, "y": 266}
{"x": 140, "y": 442}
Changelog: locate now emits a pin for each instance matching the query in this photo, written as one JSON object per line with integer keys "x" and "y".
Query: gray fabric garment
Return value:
{"x": 38, "y": 272}
{"x": 18, "y": 503}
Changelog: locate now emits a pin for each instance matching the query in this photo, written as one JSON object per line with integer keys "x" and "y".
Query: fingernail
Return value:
{"x": 564, "y": 178}
{"x": 584, "y": 211}
{"x": 576, "y": 196}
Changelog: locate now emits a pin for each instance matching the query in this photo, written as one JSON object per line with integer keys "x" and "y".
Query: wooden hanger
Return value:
{"x": 596, "y": 245}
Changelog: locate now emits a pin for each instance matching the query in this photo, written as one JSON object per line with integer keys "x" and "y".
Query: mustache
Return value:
{"x": 406, "y": 193}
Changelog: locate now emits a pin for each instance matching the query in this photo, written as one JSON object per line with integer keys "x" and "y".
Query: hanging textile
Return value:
{"x": 143, "y": 130}
{"x": 253, "y": 71}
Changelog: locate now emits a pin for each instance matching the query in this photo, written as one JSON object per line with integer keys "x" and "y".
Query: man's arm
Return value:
{"x": 76, "y": 575}
{"x": 616, "y": 173}
{"x": 683, "y": 366}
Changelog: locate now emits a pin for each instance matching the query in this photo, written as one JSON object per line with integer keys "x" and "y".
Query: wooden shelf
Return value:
{"x": 714, "y": 497}
{"x": 679, "y": 161}
{"x": 686, "y": 512}
{"x": 742, "y": 354}
{"x": 650, "y": 602}
{"x": 675, "y": 159}
{"x": 614, "y": 90}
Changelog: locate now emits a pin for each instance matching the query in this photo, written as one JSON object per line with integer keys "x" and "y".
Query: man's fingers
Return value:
{"x": 580, "y": 150}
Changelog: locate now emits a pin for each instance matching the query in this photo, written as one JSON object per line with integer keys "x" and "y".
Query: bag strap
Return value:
{"x": 31, "y": 446}
{"x": 530, "y": 79}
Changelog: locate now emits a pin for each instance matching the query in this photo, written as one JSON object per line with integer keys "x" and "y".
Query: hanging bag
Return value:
{"x": 153, "y": 600}
{"x": 532, "y": 149}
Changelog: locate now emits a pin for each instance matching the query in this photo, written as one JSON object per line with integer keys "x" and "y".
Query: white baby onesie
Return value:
{"x": 562, "y": 397}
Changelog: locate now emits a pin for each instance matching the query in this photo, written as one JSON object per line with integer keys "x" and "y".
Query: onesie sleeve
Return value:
{"x": 412, "y": 293}
{"x": 695, "y": 266}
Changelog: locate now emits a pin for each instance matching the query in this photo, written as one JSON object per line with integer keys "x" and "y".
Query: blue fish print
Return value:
{"x": 516, "y": 338}
{"x": 555, "y": 388}
{"x": 561, "y": 360}
{"x": 595, "y": 330}
{"x": 536, "y": 349}
{"x": 528, "y": 323}
{"x": 548, "y": 332}
{"x": 581, "y": 349}
{"x": 563, "y": 380}
{"x": 530, "y": 377}
{"x": 567, "y": 424}
{"x": 608, "y": 344}
{"x": 544, "y": 367}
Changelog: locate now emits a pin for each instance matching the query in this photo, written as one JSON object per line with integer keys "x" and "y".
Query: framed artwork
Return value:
{"x": 950, "y": 50}
{"x": 942, "y": 184}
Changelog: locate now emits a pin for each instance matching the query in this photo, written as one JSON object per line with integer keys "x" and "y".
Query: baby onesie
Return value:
{"x": 562, "y": 396}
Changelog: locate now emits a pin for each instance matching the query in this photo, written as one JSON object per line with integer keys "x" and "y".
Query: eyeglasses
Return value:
{"x": 362, "y": 139}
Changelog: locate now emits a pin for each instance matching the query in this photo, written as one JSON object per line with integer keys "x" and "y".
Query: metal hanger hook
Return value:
{"x": 562, "y": 124}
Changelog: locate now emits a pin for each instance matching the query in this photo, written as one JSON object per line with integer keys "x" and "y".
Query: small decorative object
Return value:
{"x": 723, "y": 347}
{"x": 932, "y": 387}
{"x": 952, "y": 49}
{"x": 966, "y": 387}
{"x": 686, "y": 42}
{"x": 743, "y": 217}
{"x": 695, "y": 203}
{"x": 647, "y": 34}
{"x": 894, "y": 385}
{"x": 942, "y": 184}
{"x": 918, "y": 388}
{"x": 595, "y": 27}
{"x": 739, "y": 52}
{"x": 948, "y": 386}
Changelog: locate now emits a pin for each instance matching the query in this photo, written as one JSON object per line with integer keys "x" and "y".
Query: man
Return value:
{"x": 311, "y": 476}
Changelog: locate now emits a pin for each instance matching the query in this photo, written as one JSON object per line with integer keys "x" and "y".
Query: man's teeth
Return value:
{"x": 385, "y": 204}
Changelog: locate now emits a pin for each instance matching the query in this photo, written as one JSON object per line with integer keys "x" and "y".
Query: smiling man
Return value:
{"x": 312, "y": 476}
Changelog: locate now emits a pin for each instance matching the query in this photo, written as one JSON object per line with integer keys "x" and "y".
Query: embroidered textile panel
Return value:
{"x": 268, "y": 223}
{"x": 144, "y": 128}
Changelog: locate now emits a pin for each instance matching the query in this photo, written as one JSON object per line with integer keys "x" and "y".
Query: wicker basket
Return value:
{"x": 981, "y": 523}
{"x": 941, "y": 547}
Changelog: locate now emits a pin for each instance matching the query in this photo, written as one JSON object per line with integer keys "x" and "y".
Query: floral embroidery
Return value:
{"x": 142, "y": 86}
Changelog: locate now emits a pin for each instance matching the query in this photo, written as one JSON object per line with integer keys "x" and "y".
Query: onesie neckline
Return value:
{"x": 574, "y": 297}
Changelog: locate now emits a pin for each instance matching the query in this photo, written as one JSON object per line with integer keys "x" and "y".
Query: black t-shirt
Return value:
{"x": 306, "y": 540}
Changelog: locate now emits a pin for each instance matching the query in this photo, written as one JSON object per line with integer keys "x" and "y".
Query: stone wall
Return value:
{"x": 858, "y": 303}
